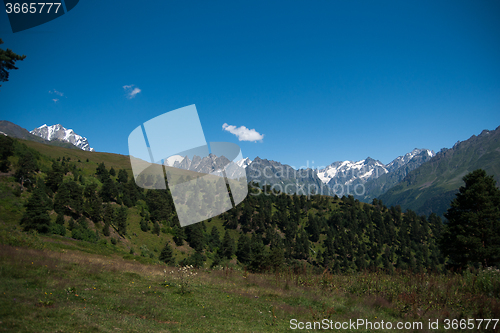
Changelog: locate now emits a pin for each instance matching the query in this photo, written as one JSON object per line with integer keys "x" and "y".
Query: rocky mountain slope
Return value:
{"x": 15, "y": 131}
{"x": 59, "y": 133}
{"x": 431, "y": 187}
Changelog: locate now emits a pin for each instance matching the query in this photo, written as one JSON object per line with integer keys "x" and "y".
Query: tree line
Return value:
{"x": 265, "y": 232}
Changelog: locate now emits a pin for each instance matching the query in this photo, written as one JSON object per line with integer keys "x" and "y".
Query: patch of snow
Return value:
{"x": 172, "y": 159}
{"x": 244, "y": 162}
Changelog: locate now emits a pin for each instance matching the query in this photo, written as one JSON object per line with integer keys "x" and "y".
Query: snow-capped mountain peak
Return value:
{"x": 58, "y": 132}
{"x": 172, "y": 159}
{"x": 348, "y": 171}
{"x": 402, "y": 160}
{"x": 243, "y": 163}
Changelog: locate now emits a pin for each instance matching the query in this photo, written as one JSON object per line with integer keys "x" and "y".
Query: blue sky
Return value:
{"x": 321, "y": 80}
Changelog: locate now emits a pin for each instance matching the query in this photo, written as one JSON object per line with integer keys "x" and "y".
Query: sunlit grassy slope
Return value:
{"x": 58, "y": 284}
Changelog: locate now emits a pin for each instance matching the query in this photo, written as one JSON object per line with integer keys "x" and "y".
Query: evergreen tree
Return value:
{"x": 167, "y": 255}
{"x": 244, "y": 250}
{"x": 105, "y": 230}
{"x": 7, "y": 62}
{"x": 313, "y": 229}
{"x": 108, "y": 190}
{"x": 60, "y": 219}
{"x": 195, "y": 236}
{"x": 216, "y": 259}
{"x": 258, "y": 254}
{"x": 122, "y": 176}
{"x": 121, "y": 221}
{"x": 144, "y": 225}
{"x": 69, "y": 199}
{"x": 36, "y": 216}
{"x": 156, "y": 228}
{"x": 214, "y": 239}
{"x": 276, "y": 258}
{"x": 54, "y": 177}
{"x": 197, "y": 259}
{"x": 179, "y": 235}
{"x": 101, "y": 172}
{"x": 126, "y": 199}
{"x": 108, "y": 216}
{"x": 93, "y": 203}
{"x": 6, "y": 150}
{"x": 472, "y": 235}
{"x": 71, "y": 223}
{"x": 160, "y": 205}
{"x": 227, "y": 247}
{"x": 112, "y": 172}
{"x": 26, "y": 168}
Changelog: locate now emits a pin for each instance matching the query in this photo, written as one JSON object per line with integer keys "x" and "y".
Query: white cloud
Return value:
{"x": 53, "y": 91}
{"x": 243, "y": 133}
{"x": 55, "y": 100}
{"x": 131, "y": 91}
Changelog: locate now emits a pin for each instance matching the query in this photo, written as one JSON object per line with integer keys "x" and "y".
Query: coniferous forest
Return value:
{"x": 270, "y": 229}
{"x": 52, "y": 196}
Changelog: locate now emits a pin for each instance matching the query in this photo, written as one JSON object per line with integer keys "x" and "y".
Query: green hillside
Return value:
{"x": 92, "y": 196}
{"x": 84, "y": 249}
{"x": 431, "y": 187}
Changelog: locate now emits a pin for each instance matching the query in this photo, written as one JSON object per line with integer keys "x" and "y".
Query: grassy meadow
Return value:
{"x": 53, "y": 283}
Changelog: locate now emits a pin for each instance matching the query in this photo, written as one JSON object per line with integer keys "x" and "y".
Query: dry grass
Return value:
{"x": 107, "y": 292}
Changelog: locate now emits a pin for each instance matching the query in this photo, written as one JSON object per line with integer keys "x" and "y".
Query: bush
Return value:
{"x": 166, "y": 255}
{"x": 59, "y": 229}
{"x": 195, "y": 260}
{"x": 144, "y": 225}
{"x": 84, "y": 234}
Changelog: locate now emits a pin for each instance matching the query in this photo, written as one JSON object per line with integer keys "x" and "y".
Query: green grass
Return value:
{"x": 70, "y": 290}
{"x": 58, "y": 284}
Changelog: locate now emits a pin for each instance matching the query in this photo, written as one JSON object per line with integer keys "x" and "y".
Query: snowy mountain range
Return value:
{"x": 58, "y": 132}
{"x": 367, "y": 172}
{"x": 402, "y": 160}
{"x": 209, "y": 164}
{"x": 244, "y": 162}
{"x": 347, "y": 172}
{"x": 350, "y": 172}
{"x": 373, "y": 174}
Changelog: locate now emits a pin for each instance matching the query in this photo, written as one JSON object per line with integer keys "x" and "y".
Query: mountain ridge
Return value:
{"x": 430, "y": 187}
{"x": 10, "y": 129}
{"x": 60, "y": 133}
{"x": 419, "y": 180}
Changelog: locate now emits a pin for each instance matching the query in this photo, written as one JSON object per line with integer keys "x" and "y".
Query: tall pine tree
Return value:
{"x": 36, "y": 216}
{"x": 472, "y": 234}
{"x": 167, "y": 255}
